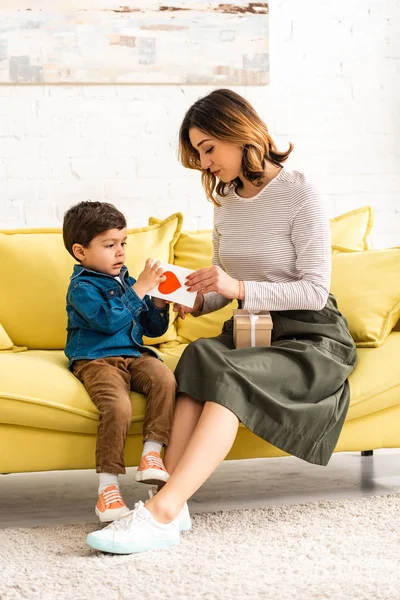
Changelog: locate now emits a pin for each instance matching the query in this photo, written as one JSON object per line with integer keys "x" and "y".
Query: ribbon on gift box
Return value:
{"x": 253, "y": 319}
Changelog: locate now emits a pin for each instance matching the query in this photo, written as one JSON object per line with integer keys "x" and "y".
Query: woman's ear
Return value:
{"x": 79, "y": 252}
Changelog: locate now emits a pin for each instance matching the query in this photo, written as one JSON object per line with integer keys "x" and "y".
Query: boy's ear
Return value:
{"x": 79, "y": 252}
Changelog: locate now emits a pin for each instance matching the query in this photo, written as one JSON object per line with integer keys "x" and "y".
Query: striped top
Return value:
{"x": 277, "y": 242}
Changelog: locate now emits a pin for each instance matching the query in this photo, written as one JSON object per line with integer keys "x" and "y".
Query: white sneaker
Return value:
{"x": 138, "y": 531}
{"x": 184, "y": 520}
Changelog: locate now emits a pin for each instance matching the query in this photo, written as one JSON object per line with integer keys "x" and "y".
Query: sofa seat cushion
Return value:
{"x": 37, "y": 390}
{"x": 375, "y": 381}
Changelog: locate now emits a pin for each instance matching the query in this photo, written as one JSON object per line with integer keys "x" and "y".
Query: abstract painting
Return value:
{"x": 184, "y": 42}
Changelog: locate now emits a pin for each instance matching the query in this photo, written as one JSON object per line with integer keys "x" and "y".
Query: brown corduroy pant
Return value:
{"x": 109, "y": 382}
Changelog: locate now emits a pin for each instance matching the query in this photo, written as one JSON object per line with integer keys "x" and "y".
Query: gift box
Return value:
{"x": 251, "y": 329}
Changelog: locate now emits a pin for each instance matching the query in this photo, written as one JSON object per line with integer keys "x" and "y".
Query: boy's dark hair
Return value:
{"x": 86, "y": 220}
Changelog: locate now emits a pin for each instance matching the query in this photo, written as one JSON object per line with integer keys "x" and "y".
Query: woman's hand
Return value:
{"x": 213, "y": 279}
{"x": 183, "y": 310}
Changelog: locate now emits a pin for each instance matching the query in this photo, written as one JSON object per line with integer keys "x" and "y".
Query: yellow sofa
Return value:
{"x": 47, "y": 420}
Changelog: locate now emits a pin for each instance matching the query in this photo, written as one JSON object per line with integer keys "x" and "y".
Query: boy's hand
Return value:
{"x": 183, "y": 310}
{"x": 150, "y": 277}
{"x": 159, "y": 302}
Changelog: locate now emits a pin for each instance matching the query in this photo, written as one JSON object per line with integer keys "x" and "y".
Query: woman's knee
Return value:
{"x": 188, "y": 402}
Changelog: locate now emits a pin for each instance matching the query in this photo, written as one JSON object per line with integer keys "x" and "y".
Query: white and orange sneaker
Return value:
{"x": 136, "y": 532}
{"x": 151, "y": 469}
{"x": 110, "y": 505}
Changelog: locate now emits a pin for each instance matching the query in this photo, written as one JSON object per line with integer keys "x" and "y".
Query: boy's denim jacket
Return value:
{"x": 106, "y": 319}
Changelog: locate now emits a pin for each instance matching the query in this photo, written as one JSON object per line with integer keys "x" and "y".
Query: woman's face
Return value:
{"x": 224, "y": 159}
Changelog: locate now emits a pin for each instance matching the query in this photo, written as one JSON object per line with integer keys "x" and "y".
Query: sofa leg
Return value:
{"x": 367, "y": 452}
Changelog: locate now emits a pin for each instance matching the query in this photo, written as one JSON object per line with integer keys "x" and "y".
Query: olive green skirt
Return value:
{"x": 294, "y": 393}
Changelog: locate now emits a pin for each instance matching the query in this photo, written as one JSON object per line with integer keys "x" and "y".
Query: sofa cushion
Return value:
{"x": 351, "y": 229}
{"x": 367, "y": 288}
{"x": 35, "y": 269}
{"x": 194, "y": 250}
{"x": 157, "y": 241}
{"x": 49, "y": 397}
{"x": 5, "y": 340}
{"x": 375, "y": 381}
{"x": 6, "y": 343}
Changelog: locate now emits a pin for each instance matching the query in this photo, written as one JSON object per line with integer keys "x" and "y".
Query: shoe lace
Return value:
{"x": 127, "y": 520}
{"x": 155, "y": 461}
{"x": 112, "y": 496}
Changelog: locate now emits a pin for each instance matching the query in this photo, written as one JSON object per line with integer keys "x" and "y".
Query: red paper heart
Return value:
{"x": 171, "y": 284}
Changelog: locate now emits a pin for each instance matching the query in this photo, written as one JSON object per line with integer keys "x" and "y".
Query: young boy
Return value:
{"x": 108, "y": 314}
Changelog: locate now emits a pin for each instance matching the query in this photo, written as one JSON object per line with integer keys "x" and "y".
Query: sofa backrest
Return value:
{"x": 35, "y": 270}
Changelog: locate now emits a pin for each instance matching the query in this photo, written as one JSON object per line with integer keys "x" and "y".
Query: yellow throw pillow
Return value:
{"x": 194, "y": 250}
{"x": 351, "y": 229}
{"x": 5, "y": 341}
{"x": 156, "y": 241}
{"x": 6, "y": 344}
{"x": 35, "y": 269}
{"x": 367, "y": 288}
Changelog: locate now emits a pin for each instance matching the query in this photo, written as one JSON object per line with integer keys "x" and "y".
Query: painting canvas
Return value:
{"x": 144, "y": 42}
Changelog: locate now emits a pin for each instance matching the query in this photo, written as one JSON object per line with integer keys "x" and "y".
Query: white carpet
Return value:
{"x": 336, "y": 550}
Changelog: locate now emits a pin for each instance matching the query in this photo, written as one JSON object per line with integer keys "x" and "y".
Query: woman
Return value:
{"x": 271, "y": 251}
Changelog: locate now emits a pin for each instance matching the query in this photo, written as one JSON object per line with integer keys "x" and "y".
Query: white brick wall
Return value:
{"x": 334, "y": 92}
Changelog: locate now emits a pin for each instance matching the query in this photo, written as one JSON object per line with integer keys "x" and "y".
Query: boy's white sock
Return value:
{"x": 106, "y": 479}
{"x": 150, "y": 446}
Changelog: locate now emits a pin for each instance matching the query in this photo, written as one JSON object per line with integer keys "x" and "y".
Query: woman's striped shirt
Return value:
{"x": 277, "y": 242}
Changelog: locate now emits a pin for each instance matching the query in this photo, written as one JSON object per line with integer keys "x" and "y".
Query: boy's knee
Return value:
{"x": 168, "y": 379}
{"x": 162, "y": 373}
{"x": 120, "y": 412}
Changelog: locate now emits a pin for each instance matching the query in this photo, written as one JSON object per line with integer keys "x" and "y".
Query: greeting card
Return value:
{"x": 173, "y": 288}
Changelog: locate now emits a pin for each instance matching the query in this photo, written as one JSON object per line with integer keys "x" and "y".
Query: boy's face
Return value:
{"x": 105, "y": 253}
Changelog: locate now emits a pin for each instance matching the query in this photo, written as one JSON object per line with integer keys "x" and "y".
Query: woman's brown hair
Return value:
{"x": 228, "y": 117}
